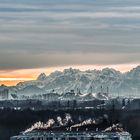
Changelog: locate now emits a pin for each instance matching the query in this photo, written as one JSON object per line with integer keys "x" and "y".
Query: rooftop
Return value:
{"x": 76, "y": 134}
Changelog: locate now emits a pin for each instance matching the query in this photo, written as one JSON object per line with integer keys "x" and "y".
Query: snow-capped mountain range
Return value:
{"x": 90, "y": 81}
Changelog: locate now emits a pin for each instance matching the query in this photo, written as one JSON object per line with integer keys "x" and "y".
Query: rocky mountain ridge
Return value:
{"x": 90, "y": 81}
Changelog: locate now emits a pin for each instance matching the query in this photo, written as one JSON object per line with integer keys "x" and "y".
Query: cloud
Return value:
{"x": 42, "y": 33}
{"x": 26, "y": 61}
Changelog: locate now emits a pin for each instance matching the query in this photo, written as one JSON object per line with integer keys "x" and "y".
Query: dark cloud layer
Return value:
{"x": 42, "y": 33}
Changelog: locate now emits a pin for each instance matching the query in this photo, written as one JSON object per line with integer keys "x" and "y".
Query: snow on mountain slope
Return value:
{"x": 73, "y": 79}
{"x": 134, "y": 73}
{"x": 30, "y": 90}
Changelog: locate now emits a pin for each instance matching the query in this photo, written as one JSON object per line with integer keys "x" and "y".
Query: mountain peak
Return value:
{"x": 42, "y": 77}
{"x": 71, "y": 71}
{"x": 110, "y": 72}
{"x": 138, "y": 67}
{"x": 135, "y": 72}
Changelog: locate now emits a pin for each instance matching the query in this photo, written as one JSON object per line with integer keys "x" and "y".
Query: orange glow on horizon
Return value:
{"x": 10, "y": 82}
{"x": 12, "y": 77}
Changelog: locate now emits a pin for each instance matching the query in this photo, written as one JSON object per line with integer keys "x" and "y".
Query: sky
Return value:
{"x": 47, "y": 35}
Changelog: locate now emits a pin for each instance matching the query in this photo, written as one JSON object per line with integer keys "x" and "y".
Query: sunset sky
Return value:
{"x": 46, "y": 35}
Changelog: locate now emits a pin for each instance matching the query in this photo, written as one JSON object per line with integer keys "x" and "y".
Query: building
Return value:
{"x": 70, "y": 135}
{"x": 4, "y": 94}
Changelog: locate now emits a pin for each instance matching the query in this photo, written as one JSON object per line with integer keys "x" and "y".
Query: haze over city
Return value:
{"x": 44, "y": 36}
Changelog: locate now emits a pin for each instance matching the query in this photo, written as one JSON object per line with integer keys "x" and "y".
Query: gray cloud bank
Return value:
{"x": 42, "y": 33}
